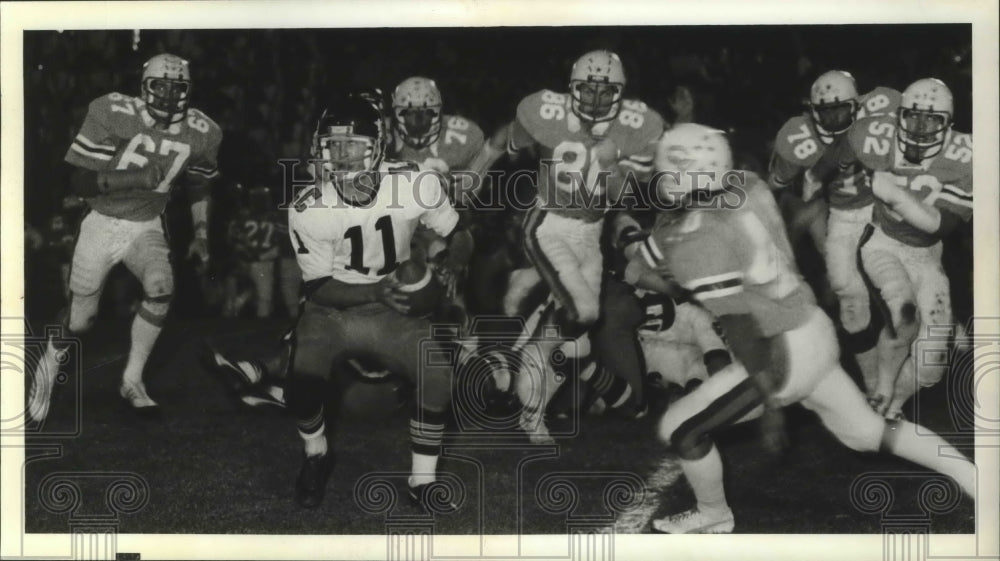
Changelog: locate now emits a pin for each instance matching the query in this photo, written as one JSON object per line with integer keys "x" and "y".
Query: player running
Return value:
{"x": 350, "y": 232}
{"x": 735, "y": 259}
{"x": 808, "y": 147}
{"x": 130, "y": 153}
{"x": 921, "y": 178}
{"x": 587, "y": 140}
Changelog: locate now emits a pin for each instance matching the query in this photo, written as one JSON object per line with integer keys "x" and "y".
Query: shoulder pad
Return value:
{"x": 543, "y": 115}
{"x": 462, "y": 140}
{"x": 872, "y": 140}
{"x": 956, "y": 154}
{"x": 798, "y": 143}
{"x": 638, "y": 132}
{"x": 879, "y": 101}
{"x": 212, "y": 125}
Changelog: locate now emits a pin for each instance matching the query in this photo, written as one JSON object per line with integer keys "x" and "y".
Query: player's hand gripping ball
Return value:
{"x": 422, "y": 288}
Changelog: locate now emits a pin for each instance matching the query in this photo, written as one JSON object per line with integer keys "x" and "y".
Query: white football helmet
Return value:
{"x": 166, "y": 87}
{"x": 692, "y": 157}
{"x": 924, "y": 118}
{"x": 596, "y": 84}
{"x": 833, "y": 103}
{"x": 416, "y": 108}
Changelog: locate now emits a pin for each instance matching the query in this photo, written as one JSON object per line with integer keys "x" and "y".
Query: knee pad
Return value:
{"x": 154, "y": 310}
{"x": 158, "y": 284}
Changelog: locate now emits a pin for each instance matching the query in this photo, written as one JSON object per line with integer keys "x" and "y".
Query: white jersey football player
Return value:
{"x": 128, "y": 156}
{"x": 350, "y": 232}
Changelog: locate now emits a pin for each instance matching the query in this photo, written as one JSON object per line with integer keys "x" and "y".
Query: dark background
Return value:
{"x": 264, "y": 86}
{"x": 214, "y": 468}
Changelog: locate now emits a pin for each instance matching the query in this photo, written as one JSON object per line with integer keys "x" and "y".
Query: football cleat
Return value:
{"x": 534, "y": 425}
{"x": 695, "y": 521}
{"x": 310, "y": 485}
{"x": 238, "y": 374}
{"x": 135, "y": 396}
{"x": 264, "y": 395}
{"x": 425, "y": 497}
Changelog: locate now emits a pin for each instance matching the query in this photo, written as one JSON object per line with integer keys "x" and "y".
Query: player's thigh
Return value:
{"x": 409, "y": 348}
{"x": 93, "y": 256}
{"x": 321, "y": 335}
{"x": 725, "y": 398}
{"x": 148, "y": 258}
{"x": 843, "y": 409}
{"x": 262, "y": 273}
{"x": 810, "y": 352}
{"x": 883, "y": 265}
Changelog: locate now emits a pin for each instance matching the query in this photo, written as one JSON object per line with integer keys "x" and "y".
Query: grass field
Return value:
{"x": 212, "y": 466}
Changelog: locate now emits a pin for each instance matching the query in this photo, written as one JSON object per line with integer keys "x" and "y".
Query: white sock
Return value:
{"x": 932, "y": 451}
{"x": 424, "y": 469}
{"x": 705, "y": 477}
{"x": 144, "y": 336}
{"x": 315, "y": 443}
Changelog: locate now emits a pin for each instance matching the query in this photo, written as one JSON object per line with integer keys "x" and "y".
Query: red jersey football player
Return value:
{"x": 129, "y": 154}
{"x": 735, "y": 259}
{"x": 807, "y": 147}
{"x": 921, "y": 178}
{"x": 422, "y": 133}
{"x": 586, "y": 139}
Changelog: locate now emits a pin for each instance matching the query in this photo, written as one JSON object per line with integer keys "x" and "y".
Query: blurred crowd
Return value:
{"x": 265, "y": 88}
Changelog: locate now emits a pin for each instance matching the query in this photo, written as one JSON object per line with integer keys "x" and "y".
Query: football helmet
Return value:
{"x": 924, "y": 118}
{"x": 349, "y": 144}
{"x": 833, "y": 103}
{"x": 596, "y": 84}
{"x": 166, "y": 88}
{"x": 692, "y": 157}
{"x": 416, "y": 108}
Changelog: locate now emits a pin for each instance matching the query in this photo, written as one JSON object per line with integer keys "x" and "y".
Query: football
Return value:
{"x": 424, "y": 289}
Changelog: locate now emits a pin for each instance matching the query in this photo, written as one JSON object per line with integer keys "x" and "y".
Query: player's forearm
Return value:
{"x": 199, "y": 217}
{"x": 89, "y": 183}
{"x": 923, "y": 217}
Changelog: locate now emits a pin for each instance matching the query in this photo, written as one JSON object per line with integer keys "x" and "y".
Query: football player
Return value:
{"x": 921, "y": 178}
{"x": 807, "y": 147}
{"x": 729, "y": 249}
{"x": 128, "y": 156}
{"x": 252, "y": 236}
{"x": 587, "y": 139}
{"x": 350, "y": 231}
{"x": 422, "y": 133}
